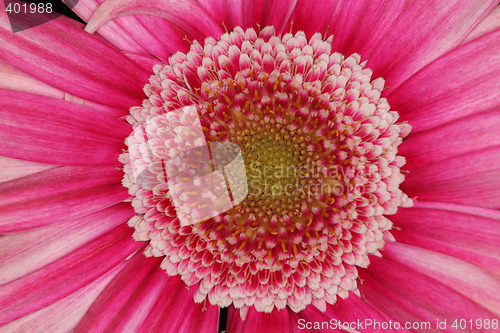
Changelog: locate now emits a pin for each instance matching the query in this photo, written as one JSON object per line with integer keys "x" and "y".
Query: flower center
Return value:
{"x": 295, "y": 202}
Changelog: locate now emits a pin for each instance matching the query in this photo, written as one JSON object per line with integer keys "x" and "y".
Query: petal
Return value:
{"x": 28, "y": 251}
{"x": 466, "y": 279}
{"x": 186, "y": 14}
{"x": 63, "y": 315}
{"x": 463, "y": 82}
{"x": 471, "y": 179}
{"x": 228, "y": 12}
{"x": 489, "y": 24}
{"x": 361, "y": 24}
{"x": 46, "y": 130}
{"x": 468, "y": 233}
{"x": 65, "y": 276}
{"x": 267, "y": 12}
{"x": 13, "y": 168}
{"x": 314, "y": 16}
{"x": 459, "y": 137}
{"x": 111, "y": 31}
{"x": 134, "y": 278}
{"x": 62, "y": 55}
{"x": 276, "y": 321}
{"x": 58, "y": 195}
{"x": 175, "y": 311}
{"x": 423, "y": 32}
{"x": 407, "y": 295}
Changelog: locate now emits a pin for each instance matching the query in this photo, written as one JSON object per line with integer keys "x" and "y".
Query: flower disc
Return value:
{"x": 307, "y": 169}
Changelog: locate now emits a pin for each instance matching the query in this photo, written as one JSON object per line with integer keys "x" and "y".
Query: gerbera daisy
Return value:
{"x": 309, "y": 166}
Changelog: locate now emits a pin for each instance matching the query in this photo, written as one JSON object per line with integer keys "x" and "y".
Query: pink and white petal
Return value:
{"x": 466, "y": 279}
{"x": 129, "y": 281}
{"x": 488, "y": 24}
{"x": 314, "y": 16}
{"x": 468, "y": 233}
{"x": 175, "y": 311}
{"x": 46, "y": 130}
{"x": 407, "y": 295}
{"x": 267, "y": 12}
{"x": 470, "y": 179}
{"x": 110, "y": 31}
{"x": 62, "y": 55}
{"x": 65, "y": 276}
{"x": 361, "y": 24}
{"x": 278, "y": 321}
{"x": 461, "y": 83}
{"x": 13, "y": 168}
{"x": 58, "y": 195}
{"x": 187, "y": 14}
{"x": 425, "y": 31}
{"x": 30, "y": 250}
{"x": 462, "y": 136}
{"x": 63, "y": 315}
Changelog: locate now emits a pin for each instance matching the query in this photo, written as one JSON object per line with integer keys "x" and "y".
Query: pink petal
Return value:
{"x": 62, "y": 55}
{"x": 25, "y": 252}
{"x": 267, "y": 12}
{"x": 13, "y": 168}
{"x": 314, "y": 16}
{"x": 111, "y": 31}
{"x": 276, "y": 321}
{"x": 65, "y": 276}
{"x": 58, "y": 195}
{"x": 471, "y": 179}
{"x": 361, "y": 24}
{"x": 133, "y": 279}
{"x": 423, "y": 32}
{"x": 459, "y": 137}
{"x": 145, "y": 61}
{"x": 63, "y": 315}
{"x": 488, "y": 24}
{"x": 46, "y": 130}
{"x": 186, "y": 14}
{"x": 407, "y": 295}
{"x": 466, "y": 279}
{"x": 446, "y": 228}
{"x": 463, "y": 82}
{"x": 175, "y": 311}
{"x": 228, "y": 12}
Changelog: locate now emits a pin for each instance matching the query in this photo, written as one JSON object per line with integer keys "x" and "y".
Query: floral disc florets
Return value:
{"x": 318, "y": 146}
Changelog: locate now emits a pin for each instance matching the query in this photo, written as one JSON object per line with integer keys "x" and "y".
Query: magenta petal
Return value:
{"x": 63, "y": 277}
{"x": 314, "y": 16}
{"x": 13, "y": 168}
{"x": 130, "y": 281}
{"x": 62, "y": 55}
{"x": 459, "y": 137}
{"x": 407, "y": 295}
{"x": 489, "y": 24}
{"x": 25, "y": 252}
{"x": 463, "y": 82}
{"x": 225, "y": 11}
{"x": 46, "y": 130}
{"x": 64, "y": 314}
{"x": 186, "y": 14}
{"x": 466, "y": 279}
{"x": 423, "y": 32}
{"x": 276, "y": 321}
{"x": 175, "y": 311}
{"x": 446, "y": 228}
{"x": 470, "y": 179}
{"x": 267, "y": 12}
{"x": 361, "y": 24}
{"x": 58, "y": 195}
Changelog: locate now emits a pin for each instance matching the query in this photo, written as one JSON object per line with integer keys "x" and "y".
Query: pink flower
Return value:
{"x": 383, "y": 229}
